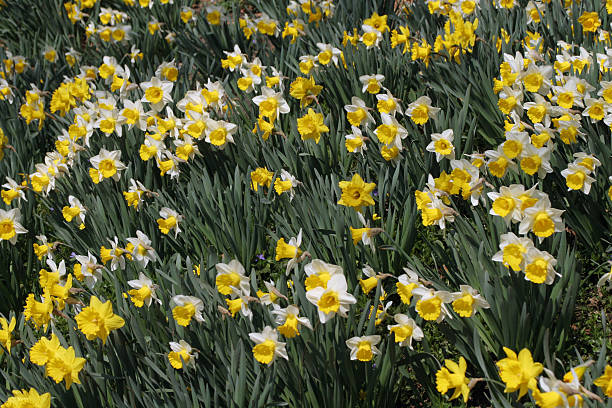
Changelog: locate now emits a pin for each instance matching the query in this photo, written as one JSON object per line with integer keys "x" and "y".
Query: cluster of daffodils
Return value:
{"x": 300, "y": 14}
{"x": 528, "y": 146}
{"x": 431, "y": 304}
{"x": 521, "y": 374}
{"x": 12, "y": 64}
{"x": 137, "y": 249}
{"x": 112, "y": 27}
{"x": 262, "y": 177}
{"x": 34, "y": 107}
{"x": 549, "y": 100}
{"x": 60, "y": 363}
{"x": 95, "y": 321}
{"x": 390, "y": 132}
{"x": 106, "y": 108}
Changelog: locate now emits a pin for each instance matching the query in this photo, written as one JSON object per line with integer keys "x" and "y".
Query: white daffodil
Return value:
{"x": 267, "y": 347}
{"x": 143, "y": 291}
{"x": 182, "y": 355}
{"x": 187, "y": 308}
{"x": 405, "y": 330}
{"x": 231, "y": 278}
{"x": 467, "y": 301}
{"x": 142, "y": 252}
{"x": 289, "y": 321}
{"x": 157, "y": 93}
{"x": 332, "y": 300}
{"x": 318, "y": 273}
{"x": 512, "y": 251}
{"x": 87, "y": 269}
{"x": 363, "y": 348}
{"x": 10, "y": 226}
{"x": 442, "y": 145}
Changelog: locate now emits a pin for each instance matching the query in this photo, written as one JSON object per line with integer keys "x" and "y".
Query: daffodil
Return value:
{"x": 542, "y": 220}
{"x": 577, "y": 178}
{"x": 271, "y": 297}
{"x": 248, "y": 81}
{"x": 293, "y": 29}
{"x": 318, "y": 273}
{"x": 289, "y": 321}
{"x": 289, "y": 250}
{"x": 64, "y": 365}
{"x": 512, "y": 251}
{"x": 405, "y": 330}
{"x": 327, "y": 54}
{"x": 44, "y": 248}
{"x": 143, "y": 291}
{"x": 311, "y": 126}
{"x": 333, "y": 299}
{"x": 390, "y": 132}
{"x": 132, "y": 115}
{"x": 87, "y": 269}
{"x": 498, "y": 162}
{"x": 435, "y": 212}
{"x": 431, "y": 304}
{"x": 219, "y": 133}
{"x": 10, "y": 226}
{"x": 106, "y": 164}
{"x": 372, "y": 83}
{"x": 355, "y": 142}
{"x": 364, "y": 234}
{"x": 261, "y": 176}
{"x": 12, "y": 191}
{"x": 539, "y": 266}
{"x": 231, "y": 277}
{"x": 157, "y": 93}
{"x": 519, "y": 372}
{"x": 452, "y": 375}
{"x": 271, "y": 104}
{"x": 239, "y": 302}
{"x": 605, "y": 381}
{"x": 406, "y": 283}
{"x": 305, "y": 90}
{"x": 307, "y": 63}
{"x": 182, "y": 355}
{"x": 370, "y": 281}
{"x": 371, "y": 37}
{"x": 507, "y": 203}
{"x": 6, "y": 339}
{"x": 442, "y": 145}
{"x": 44, "y": 350}
{"x": 97, "y": 320}
{"x": 467, "y": 301}
{"x": 141, "y": 249}
{"x": 363, "y": 348}
{"x": 38, "y": 312}
{"x": 76, "y": 210}
{"x": 590, "y": 21}
{"x": 169, "y": 221}
{"x": 401, "y": 37}
{"x": 357, "y": 113}
{"x": 267, "y": 347}
{"x": 187, "y": 308}
{"x": 356, "y": 193}
{"x": 213, "y": 14}
{"x": 420, "y": 111}
{"x": 285, "y": 184}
